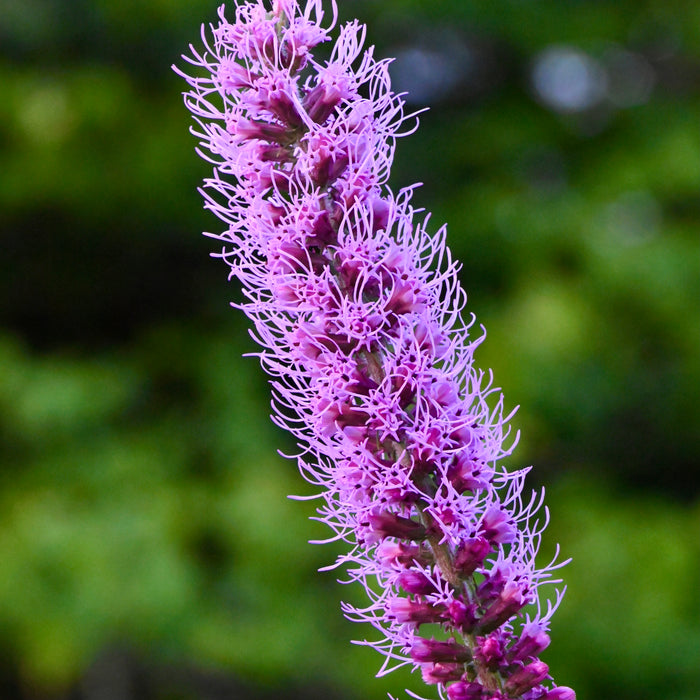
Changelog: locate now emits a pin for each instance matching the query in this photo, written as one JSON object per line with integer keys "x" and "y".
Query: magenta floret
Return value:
{"x": 359, "y": 312}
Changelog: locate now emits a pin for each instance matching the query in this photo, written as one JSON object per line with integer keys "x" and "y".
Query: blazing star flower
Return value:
{"x": 360, "y": 316}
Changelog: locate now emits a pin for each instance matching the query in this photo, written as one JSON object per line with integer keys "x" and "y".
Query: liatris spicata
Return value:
{"x": 359, "y": 312}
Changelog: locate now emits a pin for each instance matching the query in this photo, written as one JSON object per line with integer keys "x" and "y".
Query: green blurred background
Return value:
{"x": 147, "y": 548}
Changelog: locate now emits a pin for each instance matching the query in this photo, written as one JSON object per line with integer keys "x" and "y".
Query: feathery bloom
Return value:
{"x": 359, "y": 313}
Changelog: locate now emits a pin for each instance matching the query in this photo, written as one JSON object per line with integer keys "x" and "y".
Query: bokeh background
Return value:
{"x": 147, "y": 548}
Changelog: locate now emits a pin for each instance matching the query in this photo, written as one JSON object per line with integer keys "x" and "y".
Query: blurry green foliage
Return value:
{"x": 142, "y": 503}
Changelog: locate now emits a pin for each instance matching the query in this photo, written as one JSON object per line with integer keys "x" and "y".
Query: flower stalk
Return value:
{"x": 360, "y": 316}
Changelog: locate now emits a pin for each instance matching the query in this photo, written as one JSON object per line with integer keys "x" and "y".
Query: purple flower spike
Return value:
{"x": 360, "y": 316}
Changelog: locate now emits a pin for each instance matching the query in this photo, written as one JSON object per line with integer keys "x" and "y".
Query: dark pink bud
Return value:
{"x": 288, "y": 257}
{"x": 406, "y": 610}
{"x": 447, "y": 516}
{"x": 253, "y": 129}
{"x": 380, "y": 209}
{"x": 465, "y": 691}
{"x": 278, "y": 179}
{"x": 492, "y": 586}
{"x": 463, "y": 616}
{"x": 392, "y": 525}
{"x": 282, "y": 106}
{"x": 402, "y": 554}
{"x": 527, "y": 678}
{"x": 467, "y": 475}
{"x": 509, "y": 602}
{"x": 490, "y": 652}
{"x": 497, "y": 527}
{"x": 321, "y": 101}
{"x": 444, "y": 393}
{"x": 233, "y": 76}
{"x": 533, "y": 641}
{"x": 470, "y": 555}
{"x": 441, "y": 673}
{"x": 335, "y": 416}
{"x": 427, "y": 650}
{"x": 415, "y": 582}
{"x": 337, "y": 165}
{"x": 398, "y": 494}
{"x": 310, "y": 341}
{"x": 431, "y": 337}
{"x": 404, "y": 299}
{"x": 560, "y": 693}
{"x": 462, "y": 434}
{"x": 355, "y": 434}
{"x": 273, "y": 211}
{"x": 277, "y": 154}
{"x": 322, "y": 230}
{"x": 349, "y": 416}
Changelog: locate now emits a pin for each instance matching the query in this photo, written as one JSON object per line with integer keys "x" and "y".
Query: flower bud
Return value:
{"x": 392, "y": 525}
{"x": 509, "y": 602}
{"x": 426, "y": 650}
{"x": 467, "y": 475}
{"x": 415, "y": 582}
{"x": 533, "y": 641}
{"x": 274, "y": 153}
{"x": 257, "y": 129}
{"x": 463, "y": 616}
{"x": 401, "y": 554}
{"x": 441, "y": 673}
{"x": 322, "y": 99}
{"x": 470, "y": 556}
{"x": 405, "y": 610}
{"x": 489, "y": 652}
{"x": 465, "y": 691}
{"x": 497, "y": 527}
{"x": 526, "y": 678}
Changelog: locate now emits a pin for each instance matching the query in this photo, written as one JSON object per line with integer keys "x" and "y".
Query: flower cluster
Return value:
{"x": 359, "y": 313}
